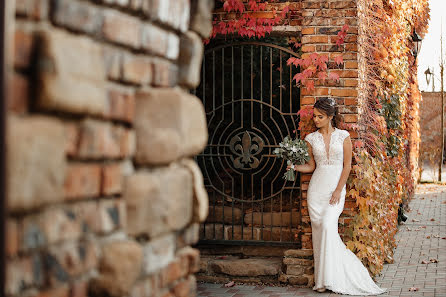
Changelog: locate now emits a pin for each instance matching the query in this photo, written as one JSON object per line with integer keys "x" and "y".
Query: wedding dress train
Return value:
{"x": 335, "y": 267}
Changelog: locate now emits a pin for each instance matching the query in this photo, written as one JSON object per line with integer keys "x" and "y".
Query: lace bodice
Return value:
{"x": 335, "y": 149}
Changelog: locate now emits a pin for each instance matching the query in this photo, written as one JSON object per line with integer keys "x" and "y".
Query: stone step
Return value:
{"x": 247, "y": 267}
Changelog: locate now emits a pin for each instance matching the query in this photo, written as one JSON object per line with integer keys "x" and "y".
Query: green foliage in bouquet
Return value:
{"x": 295, "y": 152}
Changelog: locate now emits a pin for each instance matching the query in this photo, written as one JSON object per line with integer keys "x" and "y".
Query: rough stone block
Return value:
{"x": 191, "y": 55}
{"x": 201, "y": 17}
{"x": 178, "y": 126}
{"x": 82, "y": 180}
{"x": 158, "y": 253}
{"x": 68, "y": 261}
{"x": 119, "y": 268}
{"x": 201, "y": 199}
{"x": 71, "y": 74}
{"x": 36, "y": 162}
{"x": 246, "y": 267}
{"x": 154, "y": 208}
{"x": 22, "y": 273}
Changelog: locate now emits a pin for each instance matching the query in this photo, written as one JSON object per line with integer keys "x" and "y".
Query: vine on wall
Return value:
{"x": 384, "y": 175}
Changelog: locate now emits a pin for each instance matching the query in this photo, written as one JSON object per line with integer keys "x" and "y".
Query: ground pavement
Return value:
{"x": 421, "y": 243}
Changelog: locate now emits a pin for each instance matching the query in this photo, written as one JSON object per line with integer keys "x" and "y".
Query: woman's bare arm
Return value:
{"x": 347, "y": 164}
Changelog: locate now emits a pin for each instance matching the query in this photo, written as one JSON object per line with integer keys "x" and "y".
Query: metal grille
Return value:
{"x": 251, "y": 105}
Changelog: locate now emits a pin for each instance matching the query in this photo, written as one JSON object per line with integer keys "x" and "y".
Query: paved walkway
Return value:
{"x": 421, "y": 239}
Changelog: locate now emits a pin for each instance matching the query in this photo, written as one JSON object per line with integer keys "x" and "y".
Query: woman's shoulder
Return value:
{"x": 310, "y": 136}
{"x": 343, "y": 133}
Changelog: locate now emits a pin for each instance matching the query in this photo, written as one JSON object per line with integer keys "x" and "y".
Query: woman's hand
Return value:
{"x": 335, "y": 197}
{"x": 289, "y": 167}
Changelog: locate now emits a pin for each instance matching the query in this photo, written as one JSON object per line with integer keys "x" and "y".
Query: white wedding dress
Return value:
{"x": 335, "y": 267}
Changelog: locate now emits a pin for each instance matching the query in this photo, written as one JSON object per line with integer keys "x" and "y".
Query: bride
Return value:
{"x": 335, "y": 267}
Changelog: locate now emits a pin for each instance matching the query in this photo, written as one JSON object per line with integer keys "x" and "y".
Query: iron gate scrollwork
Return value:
{"x": 251, "y": 104}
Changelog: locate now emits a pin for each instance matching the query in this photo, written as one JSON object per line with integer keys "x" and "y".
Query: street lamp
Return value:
{"x": 416, "y": 39}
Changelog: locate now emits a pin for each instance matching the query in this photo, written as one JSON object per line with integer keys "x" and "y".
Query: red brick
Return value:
{"x": 127, "y": 142}
{"x": 307, "y": 100}
{"x": 316, "y": 21}
{"x": 346, "y": 73}
{"x": 18, "y": 98}
{"x": 111, "y": 179}
{"x": 73, "y": 134}
{"x": 315, "y": 39}
{"x": 308, "y": 31}
{"x": 353, "y": 134}
{"x": 164, "y": 73}
{"x": 342, "y": 4}
{"x": 122, "y": 29}
{"x": 351, "y": 47}
{"x": 351, "y": 65}
{"x": 33, "y": 9}
{"x": 23, "y": 47}
{"x": 350, "y": 82}
{"x": 82, "y": 181}
{"x": 344, "y": 92}
{"x": 99, "y": 140}
{"x": 308, "y": 48}
{"x": 12, "y": 238}
{"x": 121, "y": 105}
{"x": 350, "y": 118}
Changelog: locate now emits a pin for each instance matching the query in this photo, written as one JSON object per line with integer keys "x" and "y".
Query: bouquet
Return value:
{"x": 295, "y": 152}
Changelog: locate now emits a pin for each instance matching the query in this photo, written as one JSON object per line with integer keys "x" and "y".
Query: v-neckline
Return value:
{"x": 327, "y": 153}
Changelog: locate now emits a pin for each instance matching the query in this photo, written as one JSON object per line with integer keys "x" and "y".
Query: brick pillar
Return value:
{"x": 322, "y": 20}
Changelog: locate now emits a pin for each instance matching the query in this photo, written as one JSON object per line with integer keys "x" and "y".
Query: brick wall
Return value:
{"x": 104, "y": 197}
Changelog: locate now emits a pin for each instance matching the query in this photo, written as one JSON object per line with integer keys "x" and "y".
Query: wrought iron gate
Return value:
{"x": 251, "y": 104}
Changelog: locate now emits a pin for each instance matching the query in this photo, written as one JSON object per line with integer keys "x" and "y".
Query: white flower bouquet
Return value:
{"x": 295, "y": 152}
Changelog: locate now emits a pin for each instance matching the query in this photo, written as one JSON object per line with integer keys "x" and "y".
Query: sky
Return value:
{"x": 430, "y": 49}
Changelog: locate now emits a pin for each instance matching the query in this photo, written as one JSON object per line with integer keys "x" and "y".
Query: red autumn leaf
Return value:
{"x": 339, "y": 60}
{"x": 333, "y": 76}
{"x": 230, "y": 284}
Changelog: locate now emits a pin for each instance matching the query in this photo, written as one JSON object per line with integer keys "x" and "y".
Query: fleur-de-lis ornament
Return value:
{"x": 246, "y": 149}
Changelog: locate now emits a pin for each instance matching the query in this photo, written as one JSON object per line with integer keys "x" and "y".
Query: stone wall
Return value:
{"x": 104, "y": 197}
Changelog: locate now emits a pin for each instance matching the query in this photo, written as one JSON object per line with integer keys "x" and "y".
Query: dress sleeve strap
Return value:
{"x": 344, "y": 134}
{"x": 309, "y": 138}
